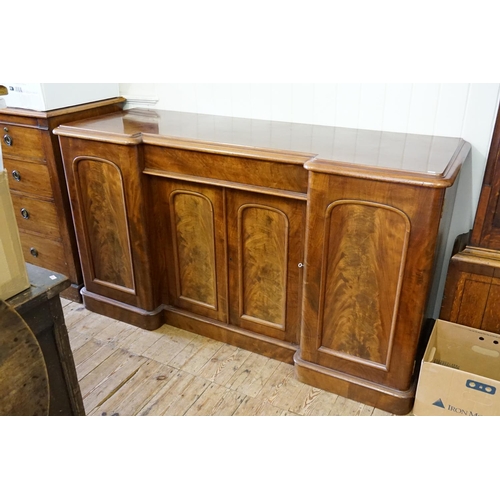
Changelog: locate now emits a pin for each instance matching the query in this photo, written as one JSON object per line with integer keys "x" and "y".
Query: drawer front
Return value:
{"x": 29, "y": 178}
{"x": 260, "y": 173}
{"x": 42, "y": 252}
{"x": 36, "y": 216}
{"x": 22, "y": 142}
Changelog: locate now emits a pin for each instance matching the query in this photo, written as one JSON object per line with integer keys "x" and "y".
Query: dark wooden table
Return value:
{"x": 40, "y": 307}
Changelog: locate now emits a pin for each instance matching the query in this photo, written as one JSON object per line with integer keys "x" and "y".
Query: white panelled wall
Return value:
{"x": 466, "y": 110}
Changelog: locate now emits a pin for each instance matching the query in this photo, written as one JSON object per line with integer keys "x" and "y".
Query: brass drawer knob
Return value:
{"x": 8, "y": 139}
{"x": 25, "y": 214}
{"x": 34, "y": 252}
{"x": 16, "y": 175}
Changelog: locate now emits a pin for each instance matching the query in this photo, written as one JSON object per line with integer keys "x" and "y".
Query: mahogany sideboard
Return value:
{"x": 313, "y": 245}
{"x": 32, "y": 157}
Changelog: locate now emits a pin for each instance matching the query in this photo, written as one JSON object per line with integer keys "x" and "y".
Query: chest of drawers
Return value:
{"x": 37, "y": 184}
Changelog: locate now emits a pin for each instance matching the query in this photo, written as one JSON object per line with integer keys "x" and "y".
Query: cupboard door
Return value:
{"x": 195, "y": 248}
{"x": 370, "y": 255}
{"x": 109, "y": 212}
{"x": 265, "y": 249}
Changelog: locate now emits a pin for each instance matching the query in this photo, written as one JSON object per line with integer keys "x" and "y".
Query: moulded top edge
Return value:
{"x": 439, "y": 169}
{"x": 101, "y": 136}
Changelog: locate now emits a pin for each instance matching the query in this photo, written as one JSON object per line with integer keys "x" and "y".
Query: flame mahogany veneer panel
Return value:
{"x": 364, "y": 258}
{"x": 102, "y": 199}
{"x": 263, "y": 248}
{"x": 193, "y": 235}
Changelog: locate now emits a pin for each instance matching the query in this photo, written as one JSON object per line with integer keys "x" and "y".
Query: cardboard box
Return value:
{"x": 48, "y": 96}
{"x": 13, "y": 275}
{"x": 460, "y": 373}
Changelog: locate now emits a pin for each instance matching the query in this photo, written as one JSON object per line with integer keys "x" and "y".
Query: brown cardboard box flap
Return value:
{"x": 460, "y": 372}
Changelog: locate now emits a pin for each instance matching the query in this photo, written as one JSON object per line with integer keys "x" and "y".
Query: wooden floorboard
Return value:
{"x": 126, "y": 371}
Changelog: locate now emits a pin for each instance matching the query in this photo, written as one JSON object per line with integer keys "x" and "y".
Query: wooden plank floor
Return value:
{"x": 124, "y": 370}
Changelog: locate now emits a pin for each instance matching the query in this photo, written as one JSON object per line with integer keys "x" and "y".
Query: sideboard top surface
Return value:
{"x": 416, "y": 158}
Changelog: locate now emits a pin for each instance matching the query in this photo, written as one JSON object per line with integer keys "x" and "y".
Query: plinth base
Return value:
{"x": 357, "y": 389}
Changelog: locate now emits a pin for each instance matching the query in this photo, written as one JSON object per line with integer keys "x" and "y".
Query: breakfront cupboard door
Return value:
{"x": 195, "y": 246}
{"x": 368, "y": 267}
{"x": 110, "y": 221}
{"x": 265, "y": 249}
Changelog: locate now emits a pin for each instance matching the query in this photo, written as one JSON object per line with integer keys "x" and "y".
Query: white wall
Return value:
{"x": 466, "y": 110}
